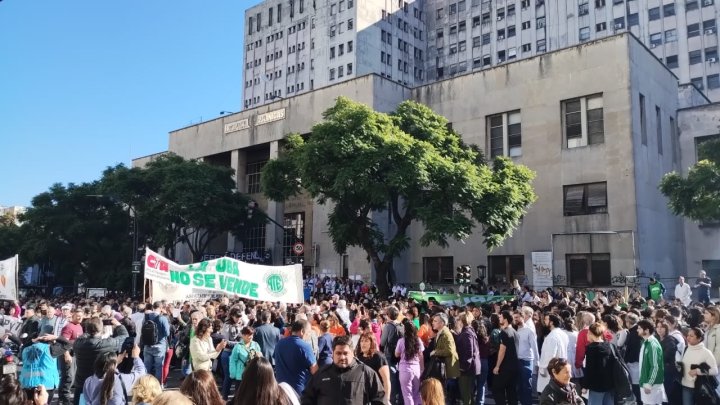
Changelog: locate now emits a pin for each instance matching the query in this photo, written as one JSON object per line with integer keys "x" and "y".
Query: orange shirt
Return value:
{"x": 337, "y": 330}
{"x": 424, "y": 334}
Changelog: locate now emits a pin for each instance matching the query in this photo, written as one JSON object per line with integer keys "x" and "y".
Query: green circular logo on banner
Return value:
{"x": 275, "y": 284}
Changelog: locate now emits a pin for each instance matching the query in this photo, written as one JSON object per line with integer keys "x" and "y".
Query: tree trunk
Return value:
{"x": 382, "y": 270}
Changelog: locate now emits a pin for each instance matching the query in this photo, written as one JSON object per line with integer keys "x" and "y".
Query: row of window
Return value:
{"x": 711, "y": 55}
{"x": 295, "y": 48}
{"x": 583, "y": 269}
{"x": 297, "y": 27}
{"x": 293, "y": 88}
{"x": 341, "y": 71}
{"x": 339, "y": 28}
{"x": 341, "y": 49}
{"x": 339, "y": 7}
{"x": 255, "y": 22}
{"x": 713, "y": 82}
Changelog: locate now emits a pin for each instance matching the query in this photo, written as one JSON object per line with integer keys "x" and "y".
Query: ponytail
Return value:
{"x": 106, "y": 368}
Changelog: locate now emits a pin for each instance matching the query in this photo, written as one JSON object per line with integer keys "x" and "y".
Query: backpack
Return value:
{"x": 394, "y": 335}
{"x": 621, "y": 378}
{"x": 149, "y": 335}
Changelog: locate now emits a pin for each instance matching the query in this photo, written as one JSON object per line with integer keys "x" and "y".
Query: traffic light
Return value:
{"x": 463, "y": 275}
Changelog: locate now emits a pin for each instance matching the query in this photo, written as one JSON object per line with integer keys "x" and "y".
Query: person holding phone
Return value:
{"x": 202, "y": 351}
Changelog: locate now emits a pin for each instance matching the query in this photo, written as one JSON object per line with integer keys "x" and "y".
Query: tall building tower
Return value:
{"x": 296, "y": 46}
{"x": 466, "y": 35}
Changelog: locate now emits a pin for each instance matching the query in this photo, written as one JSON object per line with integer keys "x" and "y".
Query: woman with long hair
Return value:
{"x": 671, "y": 375}
{"x": 259, "y": 387}
{"x": 410, "y": 352}
{"x": 172, "y": 398}
{"x": 201, "y": 388}
{"x": 431, "y": 392}
{"x": 202, "y": 350}
{"x": 425, "y": 329}
{"x": 598, "y": 360}
{"x": 484, "y": 350}
{"x": 368, "y": 353}
{"x": 108, "y": 386}
{"x": 712, "y": 334}
{"x": 12, "y": 393}
{"x": 560, "y": 390}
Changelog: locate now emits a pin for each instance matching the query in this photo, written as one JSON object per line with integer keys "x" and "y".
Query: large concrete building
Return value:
{"x": 598, "y": 123}
{"x": 297, "y": 46}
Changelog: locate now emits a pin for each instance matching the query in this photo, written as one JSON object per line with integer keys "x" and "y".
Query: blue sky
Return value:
{"x": 86, "y": 84}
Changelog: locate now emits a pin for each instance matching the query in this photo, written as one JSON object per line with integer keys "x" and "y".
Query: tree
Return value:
{"x": 73, "y": 234}
{"x": 10, "y": 237}
{"x": 409, "y": 163}
{"x": 181, "y": 201}
{"x": 696, "y": 196}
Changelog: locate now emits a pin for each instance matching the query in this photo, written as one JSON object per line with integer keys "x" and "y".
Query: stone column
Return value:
{"x": 238, "y": 162}
{"x": 275, "y": 210}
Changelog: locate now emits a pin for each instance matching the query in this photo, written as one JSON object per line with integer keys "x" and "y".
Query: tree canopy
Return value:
{"x": 87, "y": 229}
{"x": 696, "y": 196}
{"x": 410, "y": 163}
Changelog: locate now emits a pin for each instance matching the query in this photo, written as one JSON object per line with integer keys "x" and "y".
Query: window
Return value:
{"x": 526, "y": 25}
{"x": 461, "y": 5}
{"x": 658, "y": 130}
{"x": 501, "y": 34}
{"x": 633, "y": 20}
{"x": 504, "y": 269}
{"x": 341, "y": 71}
{"x": 511, "y": 32}
{"x": 672, "y": 61}
{"x": 589, "y": 269}
{"x": 505, "y": 134}
{"x": 711, "y": 54}
{"x": 476, "y": 21}
{"x": 695, "y": 57}
{"x": 540, "y": 46}
{"x": 461, "y": 26}
{"x": 527, "y": 47}
{"x": 350, "y": 24}
{"x": 500, "y": 14}
{"x": 669, "y": 10}
{"x": 706, "y": 3}
{"x": 332, "y": 52}
{"x": 587, "y": 131}
{"x": 438, "y": 269}
{"x": 332, "y": 74}
{"x": 270, "y": 16}
{"x": 341, "y": 49}
{"x": 501, "y": 56}
{"x": 439, "y": 33}
{"x": 540, "y": 22}
{"x": 693, "y": 30}
{"x": 709, "y": 27}
{"x": 350, "y": 46}
{"x": 525, "y": 4}
{"x": 673, "y": 139}
{"x": 253, "y": 171}
{"x": 279, "y": 12}
{"x": 439, "y": 13}
{"x": 691, "y": 5}
{"x": 619, "y": 23}
{"x": 476, "y": 42}
{"x": 453, "y": 9}
{"x": 461, "y": 46}
{"x": 510, "y": 10}
{"x": 486, "y": 60}
{"x": 584, "y": 34}
{"x": 671, "y": 35}
{"x": 485, "y": 39}
{"x": 254, "y": 239}
{"x": 654, "y": 14}
{"x": 585, "y": 199}
{"x": 713, "y": 81}
{"x": 453, "y": 29}
{"x": 599, "y": 3}
{"x": 697, "y": 82}
{"x": 599, "y": 27}
{"x": 655, "y": 40}
{"x": 583, "y": 7}
{"x": 643, "y": 121}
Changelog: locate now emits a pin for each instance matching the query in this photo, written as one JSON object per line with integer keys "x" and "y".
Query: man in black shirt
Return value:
{"x": 703, "y": 286}
{"x": 504, "y": 387}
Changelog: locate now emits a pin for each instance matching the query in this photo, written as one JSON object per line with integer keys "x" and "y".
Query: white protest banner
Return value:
{"x": 8, "y": 278}
{"x": 220, "y": 276}
{"x": 542, "y": 269}
{"x": 10, "y": 325}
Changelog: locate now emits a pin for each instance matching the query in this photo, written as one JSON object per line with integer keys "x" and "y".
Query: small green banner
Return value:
{"x": 458, "y": 299}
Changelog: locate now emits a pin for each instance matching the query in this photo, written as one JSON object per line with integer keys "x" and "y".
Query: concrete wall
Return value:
{"x": 601, "y": 67}
{"x": 702, "y": 242}
{"x": 653, "y": 159}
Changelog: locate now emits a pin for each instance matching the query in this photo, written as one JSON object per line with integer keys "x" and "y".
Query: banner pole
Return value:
{"x": 17, "y": 280}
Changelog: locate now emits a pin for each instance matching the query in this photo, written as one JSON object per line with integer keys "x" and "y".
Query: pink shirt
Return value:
{"x": 71, "y": 331}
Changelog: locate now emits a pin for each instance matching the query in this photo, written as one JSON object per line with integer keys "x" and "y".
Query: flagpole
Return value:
{"x": 17, "y": 281}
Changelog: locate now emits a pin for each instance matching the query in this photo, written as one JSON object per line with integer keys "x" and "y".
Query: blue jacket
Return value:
{"x": 163, "y": 326}
{"x": 325, "y": 352}
{"x": 39, "y": 367}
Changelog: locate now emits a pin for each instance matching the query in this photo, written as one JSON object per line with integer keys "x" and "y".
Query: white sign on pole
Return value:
{"x": 225, "y": 275}
{"x": 8, "y": 278}
{"x": 542, "y": 269}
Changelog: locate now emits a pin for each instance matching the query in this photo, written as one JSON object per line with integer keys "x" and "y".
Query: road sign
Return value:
{"x": 298, "y": 248}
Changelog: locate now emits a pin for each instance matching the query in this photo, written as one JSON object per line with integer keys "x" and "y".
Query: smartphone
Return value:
{"x": 107, "y": 322}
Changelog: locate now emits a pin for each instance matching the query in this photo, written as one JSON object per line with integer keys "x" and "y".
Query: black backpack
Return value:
{"x": 394, "y": 334}
{"x": 149, "y": 333}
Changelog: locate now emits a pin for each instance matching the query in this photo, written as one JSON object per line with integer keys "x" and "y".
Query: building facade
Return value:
{"x": 597, "y": 122}
{"x": 296, "y": 46}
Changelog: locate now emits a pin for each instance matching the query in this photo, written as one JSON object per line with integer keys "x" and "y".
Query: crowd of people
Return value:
{"x": 347, "y": 346}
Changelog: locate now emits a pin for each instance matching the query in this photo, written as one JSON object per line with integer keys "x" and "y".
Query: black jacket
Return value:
{"x": 598, "y": 367}
{"x": 632, "y": 345}
{"x": 553, "y": 394}
{"x": 355, "y": 385}
{"x": 87, "y": 348}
